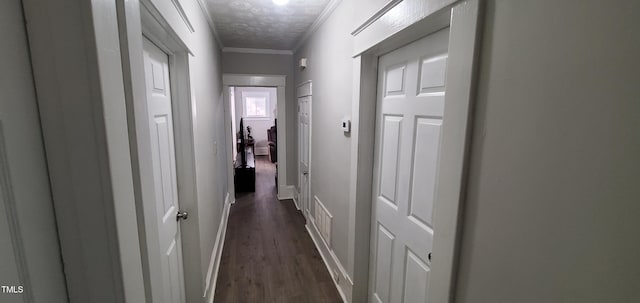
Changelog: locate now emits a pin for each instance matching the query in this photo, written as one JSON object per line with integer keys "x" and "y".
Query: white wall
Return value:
{"x": 29, "y": 246}
{"x": 241, "y": 63}
{"x": 329, "y": 52}
{"x": 553, "y": 196}
{"x": 84, "y": 117}
{"x": 261, "y": 125}
{"x": 211, "y": 146}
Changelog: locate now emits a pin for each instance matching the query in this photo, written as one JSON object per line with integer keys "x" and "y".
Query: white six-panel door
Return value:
{"x": 158, "y": 88}
{"x": 304, "y": 142}
{"x": 410, "y": 110}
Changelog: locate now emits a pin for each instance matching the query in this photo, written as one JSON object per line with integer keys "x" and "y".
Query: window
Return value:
{"x": 255, "y": 107}
{"x": 256, "y": 104}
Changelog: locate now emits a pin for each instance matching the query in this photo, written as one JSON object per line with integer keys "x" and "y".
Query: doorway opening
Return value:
{"x": 258, "y": 98}
{"x": 254, "y": 135}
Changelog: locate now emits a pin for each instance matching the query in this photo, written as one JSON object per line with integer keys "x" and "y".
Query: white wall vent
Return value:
{"x": 323, "y": 219}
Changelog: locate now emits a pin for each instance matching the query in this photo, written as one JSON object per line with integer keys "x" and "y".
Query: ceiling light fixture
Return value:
{"x": 280, "y": 2}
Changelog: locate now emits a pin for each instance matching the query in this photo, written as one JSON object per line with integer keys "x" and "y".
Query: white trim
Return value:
{"x": 324, "y": 15}
{"x": 216, "y": 254}
{"x": 212, "y": 25}
{"x": 377, "y": 29}
{"x": 286, "y": 192}
{"x": 183, "y": 15}
{"x": 461, "y": 79}
{"x": 387, "y": 7}
{"x": 253, "y": 80}
{"x": 344, "y": 283}
{"x": 303, "y": 90}
{"x": 168, "y": 25}
{"x": 318, "y": 206}
{"x": 230, "y": 138}
{"x": 261, "y": 118}
{"x": 362, "y": 142}
{"x": 296, "y": 194}
{"x": 265, "y": 51}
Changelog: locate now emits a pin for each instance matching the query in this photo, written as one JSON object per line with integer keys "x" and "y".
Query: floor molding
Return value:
{"x": 296, "y": 196}
{"x": 286, "y": 192}
{"x": 344, "y": 283}
{"x": 216, "y": 256}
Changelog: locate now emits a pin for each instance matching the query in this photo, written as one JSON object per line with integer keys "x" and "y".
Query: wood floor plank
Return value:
{"x": 268, "y": 255}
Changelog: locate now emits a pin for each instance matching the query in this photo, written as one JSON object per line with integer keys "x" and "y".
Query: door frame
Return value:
{"x": 250, "y": 80}
{"x": 143, "y": 19}
{"x": 373, "y": 39}
{"x": 301, "y": 92}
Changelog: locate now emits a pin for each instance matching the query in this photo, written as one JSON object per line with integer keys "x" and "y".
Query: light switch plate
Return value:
{"x": 346, "y": 125}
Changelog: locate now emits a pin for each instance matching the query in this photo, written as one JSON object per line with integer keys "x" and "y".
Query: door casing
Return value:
{"x": 248, "y": 80}
{"x": 153, "y": 27}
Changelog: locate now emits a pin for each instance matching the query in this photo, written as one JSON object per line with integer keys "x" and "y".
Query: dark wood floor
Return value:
{"x": 268, "y": 255}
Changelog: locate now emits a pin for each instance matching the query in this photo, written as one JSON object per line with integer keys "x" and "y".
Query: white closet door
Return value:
{"x": 156, "y": 67}
{"x": 304, "y": 142}
{"x": 410, "y": 111}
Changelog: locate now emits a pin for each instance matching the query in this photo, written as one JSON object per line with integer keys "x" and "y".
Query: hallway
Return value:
{"x": 268, "y": 255}
{"x": 427, "y": 151}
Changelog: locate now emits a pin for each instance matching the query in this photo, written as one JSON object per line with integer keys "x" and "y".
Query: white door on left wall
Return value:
{"x": 30, "y": 260}
{"x": 158, "y": 89}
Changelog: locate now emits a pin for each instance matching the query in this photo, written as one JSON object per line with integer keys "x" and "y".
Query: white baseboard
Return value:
{"x": 286, "y": 192}
{"x": 216, "y": 255}
{"x": 344, "y": 283}
{"x": 296, "y": 195}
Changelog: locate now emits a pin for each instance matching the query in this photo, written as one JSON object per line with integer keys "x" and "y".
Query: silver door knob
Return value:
{"x": 305, "y": 173}
{"x": 182, "y": 215}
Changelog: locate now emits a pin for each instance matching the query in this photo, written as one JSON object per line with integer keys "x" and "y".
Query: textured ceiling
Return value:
{"x": 263, "y": 24}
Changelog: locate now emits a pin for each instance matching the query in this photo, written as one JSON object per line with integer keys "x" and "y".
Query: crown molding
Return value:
{"x": 324, "y": 15}
{"x": 387, "y": 7}
{"x": 263, "y": 51}
{"x": 207, "y": 15}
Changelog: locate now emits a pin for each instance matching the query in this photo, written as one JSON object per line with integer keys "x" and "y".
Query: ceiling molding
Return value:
{"x": 387, "y": 7}
{"x": 254, "y": 80}
{"x": 263, "y": 51}
{"x": 207, "y": 15}
{"x": 324, "y": 15}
